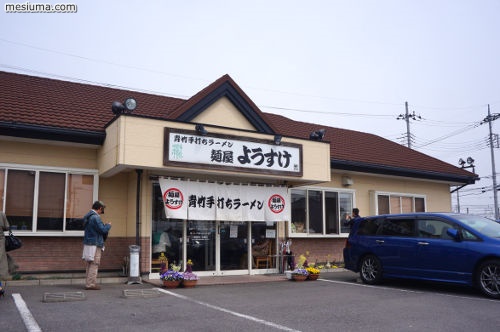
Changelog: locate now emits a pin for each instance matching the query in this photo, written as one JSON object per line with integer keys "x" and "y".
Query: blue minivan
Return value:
{"x": 443, "y": 247}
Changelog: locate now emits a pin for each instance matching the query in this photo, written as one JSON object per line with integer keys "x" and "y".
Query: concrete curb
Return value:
{"x": 59, "y": 282}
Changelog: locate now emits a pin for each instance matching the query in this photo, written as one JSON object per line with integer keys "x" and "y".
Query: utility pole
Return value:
{"x": 407, "y": 116}
{"x": 490, "y": 118}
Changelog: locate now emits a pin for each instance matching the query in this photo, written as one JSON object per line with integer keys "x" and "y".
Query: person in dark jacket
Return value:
{"x": 350, "y": 219}
{"x": 93, "y": 243}
{"x": 7, "y": 264}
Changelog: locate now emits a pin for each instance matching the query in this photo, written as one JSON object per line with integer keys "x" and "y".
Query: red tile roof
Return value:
{"x": 358, "y": 147}
{"x": 62, "y": 104}
{"x": 38, "y": 101}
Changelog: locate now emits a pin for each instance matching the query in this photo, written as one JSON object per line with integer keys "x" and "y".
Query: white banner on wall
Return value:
{"x": 227, "y": 202}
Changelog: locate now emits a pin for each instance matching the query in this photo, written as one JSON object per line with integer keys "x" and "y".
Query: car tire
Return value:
{"x": 488, "y": 278}
{"x": 370, "y": 270}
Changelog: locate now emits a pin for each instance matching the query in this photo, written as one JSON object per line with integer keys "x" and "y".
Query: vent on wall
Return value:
{"x": 347, "y": 181}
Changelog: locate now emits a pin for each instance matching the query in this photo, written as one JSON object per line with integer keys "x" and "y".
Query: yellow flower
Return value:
{"x": 312, "y": 270}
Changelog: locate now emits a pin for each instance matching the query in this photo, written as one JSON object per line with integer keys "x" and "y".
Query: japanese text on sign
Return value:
{"x": 226, "y": 152}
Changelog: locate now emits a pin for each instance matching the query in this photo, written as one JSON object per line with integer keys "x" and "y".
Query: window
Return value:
{"x": 19, "y": 198}
{"x": 319, "y": 212}
{"x": 51, "y": 201}
{"x": 398, "y": 227}
{"x": 397, "y": 203}
{"x": 2, "y": 181}
{"x": 298, "y": 211}
{"x": 436, "y": 229}
{"x": 80, "y": 197}
{"x": 42, "y": 200}
{"x": 369, "y": 226}
{"x": 315, "y": 209}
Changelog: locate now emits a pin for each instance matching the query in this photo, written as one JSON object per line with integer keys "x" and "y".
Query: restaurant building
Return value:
{"x": 209, "y": 178}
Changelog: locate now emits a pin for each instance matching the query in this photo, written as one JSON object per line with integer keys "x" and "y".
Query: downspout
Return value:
{"x": 138, "y": 207}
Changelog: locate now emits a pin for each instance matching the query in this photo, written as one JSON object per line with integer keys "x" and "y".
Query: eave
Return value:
{"x": 403, "y": 172}
{"x": 52, "y": 133}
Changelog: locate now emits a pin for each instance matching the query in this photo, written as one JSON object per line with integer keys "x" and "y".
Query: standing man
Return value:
{"x": 350, "y": 219}
{"x": 93, "y": 243}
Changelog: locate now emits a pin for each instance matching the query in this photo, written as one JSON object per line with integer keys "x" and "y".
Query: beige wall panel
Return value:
{"x": 108, "y": 153}
{"x": 224, "y": 113}
{"x": 437, "y": 194}
{"x": 146, "y": 205}
{"x": 143, "y": 142}
{"x": 114, "y": 192}
{"x": 316, "y": 161}
{"x": 138, "y": 142}
{"x": 47, "y": 155}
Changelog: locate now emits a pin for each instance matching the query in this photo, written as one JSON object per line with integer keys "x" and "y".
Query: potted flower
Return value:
{"x": 299, "y": 274}
{"x": 313, "y": 273}
{"x": 172, "y": 278}
{"x": 190, "y": 278}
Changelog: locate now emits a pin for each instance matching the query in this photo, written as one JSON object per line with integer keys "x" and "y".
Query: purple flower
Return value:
{"x": 190, "y": 276}
{"x": 300, "y": 271}
{"x": 172, "y": 275}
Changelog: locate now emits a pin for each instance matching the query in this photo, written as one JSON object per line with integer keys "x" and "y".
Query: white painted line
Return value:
{"x": 234, "y": 313}
{"x": 29, "y": 321}
{"x": 411, "y": 291}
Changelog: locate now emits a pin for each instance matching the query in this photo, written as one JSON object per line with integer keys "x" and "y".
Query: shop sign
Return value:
{"x": 193, "y": 200}
{"x": 231, "y": 153}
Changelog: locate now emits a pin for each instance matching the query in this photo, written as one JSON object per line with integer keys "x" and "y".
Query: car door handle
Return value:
{"x": 379, "y": 241}
{"x": 420, "y": 243}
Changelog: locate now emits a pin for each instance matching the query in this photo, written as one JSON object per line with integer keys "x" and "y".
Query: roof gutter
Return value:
{"x": 398, "y": 171}
{"x": 51, "y": 133}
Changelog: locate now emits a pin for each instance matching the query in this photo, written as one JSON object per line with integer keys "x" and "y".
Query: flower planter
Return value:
{"x": 189, "y": 283}
{"x": 299, "y": 277}
{"x": 171, "y": 283}
{"x": 313, "y": 277}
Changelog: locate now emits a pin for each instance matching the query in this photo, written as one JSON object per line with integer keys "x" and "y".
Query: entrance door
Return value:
{"x": 201, "y": 240}
{"x": 264, "y": 246}
{"x": 233, "y": 243}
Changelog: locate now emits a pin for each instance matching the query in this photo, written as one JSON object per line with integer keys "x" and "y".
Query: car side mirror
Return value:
{"x": 453, "y": 232}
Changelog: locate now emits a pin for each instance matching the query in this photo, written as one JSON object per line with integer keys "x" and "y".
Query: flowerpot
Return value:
{"x": 299, "y": 277}
{"x": 189, "y": 283}
{"x": 171, "y": 283}
{"x": 313, "y": 277}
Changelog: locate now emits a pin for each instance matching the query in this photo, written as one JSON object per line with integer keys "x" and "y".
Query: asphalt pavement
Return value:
{"x": 336, "y": 302}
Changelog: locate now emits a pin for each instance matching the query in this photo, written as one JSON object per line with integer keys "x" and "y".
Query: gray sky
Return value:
{"x": 348, "y": 64}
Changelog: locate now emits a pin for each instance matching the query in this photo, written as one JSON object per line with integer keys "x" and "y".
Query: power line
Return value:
{"x": 155, "y": 71}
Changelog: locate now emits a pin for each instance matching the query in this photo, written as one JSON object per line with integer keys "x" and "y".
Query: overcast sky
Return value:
{"x": 347, "y": 64}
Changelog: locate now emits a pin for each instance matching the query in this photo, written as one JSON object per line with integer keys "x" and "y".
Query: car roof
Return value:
{"x": 416, "y": 214}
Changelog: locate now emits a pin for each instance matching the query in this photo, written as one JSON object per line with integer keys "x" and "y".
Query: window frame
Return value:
{"x": 324, "y": 190}
{"x": 37, "y": 170}
{"x": 400, "y": 197}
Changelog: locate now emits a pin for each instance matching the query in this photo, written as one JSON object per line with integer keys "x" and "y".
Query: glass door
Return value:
{"x": 233, "y": 237}
{"x": 264, "y": 253}
{"x": 201, "y": 244}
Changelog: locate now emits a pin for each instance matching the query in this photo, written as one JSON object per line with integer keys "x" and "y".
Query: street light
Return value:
{"x": 470, "y": 163}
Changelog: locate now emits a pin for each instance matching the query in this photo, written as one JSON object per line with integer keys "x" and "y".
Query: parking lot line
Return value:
{"x": 234, "y": 313}
{"x": 28, "y": 319}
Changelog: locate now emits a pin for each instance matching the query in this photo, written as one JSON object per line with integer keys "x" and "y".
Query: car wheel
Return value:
{"x": 488, "y": 278}
{"x": 371, "y": 270}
